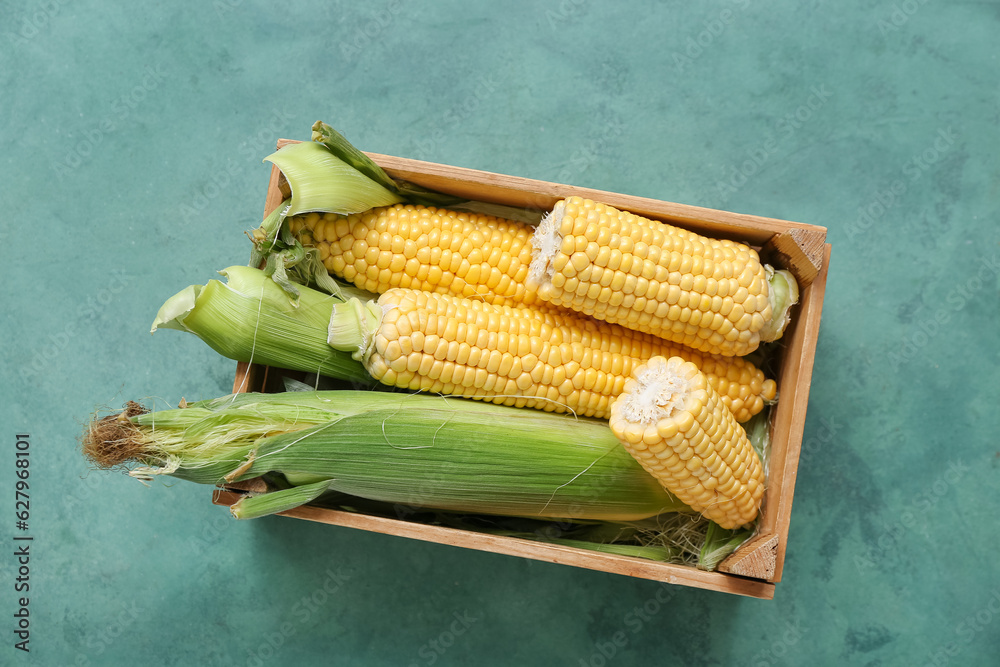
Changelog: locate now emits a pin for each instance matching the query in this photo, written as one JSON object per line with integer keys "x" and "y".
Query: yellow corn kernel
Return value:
{"x": 537, "y": 357}
{"x": 691, "y": 441}
{"x": 460, "y": 253}
{"x": 653, "y": 264}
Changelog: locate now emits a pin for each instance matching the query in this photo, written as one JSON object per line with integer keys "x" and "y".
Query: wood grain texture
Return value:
{"x": 794, "y": 382}
{"x": 255, "y": 485}
{"x": 798, "y": 250}
{"x": 756, "y": 559}
{"x": 277, "y": 191}
{"x": 512, "y": 546}
{"x": 247, "y": 377}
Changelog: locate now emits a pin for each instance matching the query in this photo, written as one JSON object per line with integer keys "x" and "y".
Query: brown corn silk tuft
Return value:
{"x": 112, "y": 441}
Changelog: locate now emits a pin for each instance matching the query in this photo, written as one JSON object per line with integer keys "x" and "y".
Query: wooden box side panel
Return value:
{"x": 542, "y": 196}
{"x": 511, "y": 546}
{"x": 763, "y": 556}
{"x": 795, "y": 377}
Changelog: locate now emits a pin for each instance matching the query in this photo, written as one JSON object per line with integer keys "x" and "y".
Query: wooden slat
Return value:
{"x": 542, "y": 195}
{"x": 246, "y": 377}
{"x": 765, "y": 553}
{"x": 796, "y": 377}
{"x": 254, "y": 485}
{"x": 274, "y": 192}
{"x": 512, "y": 546}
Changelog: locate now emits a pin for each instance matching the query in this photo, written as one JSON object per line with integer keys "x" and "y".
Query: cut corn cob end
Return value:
{"x": 672, "y": 421}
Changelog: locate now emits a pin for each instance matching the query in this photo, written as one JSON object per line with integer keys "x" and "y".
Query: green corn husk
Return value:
{"x": 320, "y": 181}
{"x": 286, "y": 261}
{"x": 719, "y": 543}
{"x": 250, "y": 318}
{"x": 412, "y": 193}
{"x": 416, "y": 450}
{"x": 340, "y": 147}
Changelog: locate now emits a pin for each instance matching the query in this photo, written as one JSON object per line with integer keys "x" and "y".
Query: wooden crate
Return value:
{"x": 755, "y": 568}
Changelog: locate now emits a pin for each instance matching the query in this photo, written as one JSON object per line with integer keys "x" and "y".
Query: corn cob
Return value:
{"x": 711, "y": 295}
{"x": 422, "y": 451}
{"x": 545, "y": 359}
{"x": 420, "y": 247}
{"x": 676, "y": 425}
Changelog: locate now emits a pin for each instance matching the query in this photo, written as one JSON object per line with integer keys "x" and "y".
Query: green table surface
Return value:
{"x": 132, "y": 139}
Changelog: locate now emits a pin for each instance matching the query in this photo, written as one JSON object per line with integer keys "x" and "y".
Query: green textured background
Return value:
{"x": 130, "y": 166}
